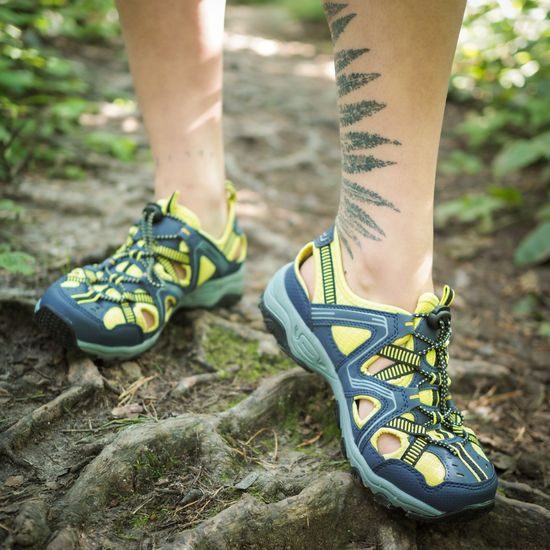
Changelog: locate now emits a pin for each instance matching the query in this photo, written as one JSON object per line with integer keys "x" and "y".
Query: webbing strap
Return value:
{"x": 327, "y": 273}
{"x": 401, "y": 355}
{"x": 414, "y": 450}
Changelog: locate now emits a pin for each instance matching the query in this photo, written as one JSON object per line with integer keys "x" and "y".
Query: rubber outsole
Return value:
{"x": 273, "y": 326}
{"x": 49, "y": 322}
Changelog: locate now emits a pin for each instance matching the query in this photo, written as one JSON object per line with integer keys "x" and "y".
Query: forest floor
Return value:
{"x": 213, "y": 439}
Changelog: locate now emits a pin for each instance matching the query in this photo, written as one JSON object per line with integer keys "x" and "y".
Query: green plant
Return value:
{"x": 41, "y": 91}
{"x": 503, "y": 71}
{"x": 478, "y": 208}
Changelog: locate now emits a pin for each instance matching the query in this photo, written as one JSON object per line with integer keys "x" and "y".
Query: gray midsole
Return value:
{"x": 305, "y": 347}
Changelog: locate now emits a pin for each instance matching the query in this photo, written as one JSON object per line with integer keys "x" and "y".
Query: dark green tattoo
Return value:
{"x": 343, "y": 227}
{"x": 344, "y": 57}
{"x": 346, "y": 83}
{"x": 354, "y": 223}
{"x": 363, "y": 219}
{"x": 357, "y": 164}
{"x": 362, "y": 194}
{"x": 354, "y": 141}
{"x": 332, "y": 8}
{"x": 354, "y": 112}
{"x": 338, "y": 26}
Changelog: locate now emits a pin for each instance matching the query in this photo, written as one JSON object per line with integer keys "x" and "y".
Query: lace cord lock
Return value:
{"x": 439, "y": 317}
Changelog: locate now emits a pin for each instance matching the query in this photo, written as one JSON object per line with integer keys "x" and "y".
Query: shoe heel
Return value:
{"x": 223, "y": 292}
{"x": 273, "y": 326}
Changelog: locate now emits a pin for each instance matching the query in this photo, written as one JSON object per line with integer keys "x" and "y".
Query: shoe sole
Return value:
{"x": 298, "y": 342}
{"x": 224, "y": 292}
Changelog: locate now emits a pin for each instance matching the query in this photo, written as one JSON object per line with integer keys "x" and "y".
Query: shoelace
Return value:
{"x": 449, "y": 416}
{"x": 145, "y": 256}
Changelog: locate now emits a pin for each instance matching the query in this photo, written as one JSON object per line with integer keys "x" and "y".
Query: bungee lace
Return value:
{"x": 446, "y": 414}
{"x": 145, "y": 257}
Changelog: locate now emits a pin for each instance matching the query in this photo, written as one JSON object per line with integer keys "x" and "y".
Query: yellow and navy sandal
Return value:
{"x": 439, "y": 469}
{"x": 118, "y": 308}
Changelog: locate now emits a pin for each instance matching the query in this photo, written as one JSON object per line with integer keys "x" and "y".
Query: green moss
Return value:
{"x": 223, "y": 348}
{"x": 150, "y": 466}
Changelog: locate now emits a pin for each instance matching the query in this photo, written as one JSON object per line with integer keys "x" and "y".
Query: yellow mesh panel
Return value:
{"x": 349, "y": 338}
{"x": 70, "y": 284}
{"x": 206, "y": 270}
{"x": 113, "y": 293}
{"x": 427, "y": 397}
{"x": 402, "y": 380}
{"x": 431, "y": 468}
{"x": 113, "y": 318}
{"x": 162, "y": 273}
{"x": 134, "y": 271}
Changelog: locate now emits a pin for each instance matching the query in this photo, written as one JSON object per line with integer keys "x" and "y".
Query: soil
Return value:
{"x": 213, "y": 439}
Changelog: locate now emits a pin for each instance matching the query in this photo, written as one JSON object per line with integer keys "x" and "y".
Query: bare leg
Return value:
{"x": 393, "y": 61}
{"x": 175, "y": 52}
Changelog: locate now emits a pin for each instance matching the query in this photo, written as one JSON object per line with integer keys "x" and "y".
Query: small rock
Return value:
{"x": 30, "y": 526}
{"x": 247, "y": 482}
{"x": 268, "y": 347}
{"x": 132, "y": 410}
{"x": 531, "y": 465}
{"x": 503, "y": 461}
{"x": 131, "y": 369}
{"x": 14, "y": 481}
{"x": 191, "y": 496}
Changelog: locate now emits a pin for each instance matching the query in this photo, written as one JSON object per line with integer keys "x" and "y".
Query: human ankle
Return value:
{"x": 389, "y": 277}
{"x": 386, "y": 282}
{"x": 209, "y": 203}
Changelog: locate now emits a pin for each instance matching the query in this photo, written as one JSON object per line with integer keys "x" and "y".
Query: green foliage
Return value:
{"x": 16, "y": 262}
{"x": 478, "y": 208}
{"x": 305, "y": 10}
{"x": 520, "y": 153}
{"x": 535, "y": 248}
{"x": 41, "y": 91}
{"x": 503, "y": 69}
{"x": 459, "y": 162}
{"x": 120, "y": 147}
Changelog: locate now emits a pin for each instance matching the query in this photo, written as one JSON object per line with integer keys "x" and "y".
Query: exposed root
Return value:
{"x": 85, "y": 379}
{"x": 270, "y": 401}
{"x": 186, "y": 384}
{"x": 184, "y": 438}
{"x": 335, "y": 510}
{"x": 511, "y": 524}
{"x": 327, "y": 514}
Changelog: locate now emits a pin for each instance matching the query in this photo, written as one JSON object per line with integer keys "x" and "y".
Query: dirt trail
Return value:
{"x": 213, "y": 439}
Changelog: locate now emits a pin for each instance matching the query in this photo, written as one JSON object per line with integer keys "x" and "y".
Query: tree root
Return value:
{"x": 85, "y": 380}
{"x": 327, "y": 514}
{"x": 183, "y": 438}
{"x": 336, "y": 509}
{"x": 185, "y": 385}
{"x": 193, "y": 437}
{"x": 269, "y": 402}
